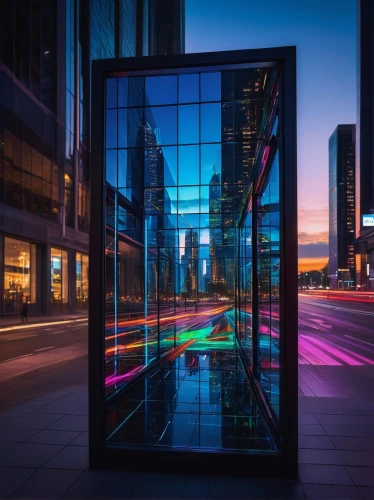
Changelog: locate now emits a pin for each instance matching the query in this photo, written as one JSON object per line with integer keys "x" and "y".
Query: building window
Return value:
{"x": 69, "y": 201}
{"x": 59, "y": 276}
{"x": 19, "y": 274}
{"x": 27, "y": 179}
{"x": 83, "y": 207}
{"x": 82, "y": 277}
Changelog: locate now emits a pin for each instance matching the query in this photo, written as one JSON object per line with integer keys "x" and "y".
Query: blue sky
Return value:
{"x": 324, "y": 32}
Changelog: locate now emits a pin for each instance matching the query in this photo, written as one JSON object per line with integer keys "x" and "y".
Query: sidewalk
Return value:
{"x": 11, "y": 321}
{"x": 44, "y": 447}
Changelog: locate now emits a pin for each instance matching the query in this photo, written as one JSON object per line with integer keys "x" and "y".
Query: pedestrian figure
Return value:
{"x": 24, "y": 312}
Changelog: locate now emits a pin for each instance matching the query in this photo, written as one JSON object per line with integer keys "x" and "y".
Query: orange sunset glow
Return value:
{"x": 312, "y": 263}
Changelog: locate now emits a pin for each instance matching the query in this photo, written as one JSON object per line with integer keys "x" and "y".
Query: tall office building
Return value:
{"x": 365, "y": 145}
{"x": 46, "y": 50}
{"x": 161, "y": 27}
{"x": 342, "y": 269}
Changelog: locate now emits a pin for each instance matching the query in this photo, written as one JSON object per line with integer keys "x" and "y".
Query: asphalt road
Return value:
{"x": 28, "y": 349}
{"x": 336, "y": 348}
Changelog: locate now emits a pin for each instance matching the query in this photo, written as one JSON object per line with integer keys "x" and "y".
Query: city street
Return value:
{"x": 43, "y": 412}
{"x": 35, "y": 357}
{"x": 336, "y": 349}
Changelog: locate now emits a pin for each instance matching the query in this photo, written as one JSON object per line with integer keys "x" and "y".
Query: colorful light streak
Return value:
{"x": 115, "y": 379}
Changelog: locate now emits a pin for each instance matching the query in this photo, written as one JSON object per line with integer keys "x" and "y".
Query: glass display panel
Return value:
{"x": 192, "y": 259}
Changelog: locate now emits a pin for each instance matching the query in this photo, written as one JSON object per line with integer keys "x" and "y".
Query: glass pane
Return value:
{"x": 210, "y": 125}
{"x": 210, "y": 87}
{"x": 188, "y": 124}
{"x": 123, "y": 88}
{"x": 122, "y": 128}
{"x": 248, "y": 119}
{"x": 188, "y": 88}
{"x": 136, "y": 132}
{"x": 111, "y": 167}
{"x": 161, "y": 90}
{"x": 161, "y": 125}
{"x": 170, "y": 165}
{"x": 37, "y": 163}
{"x": 188, "y": 200}
{"x": 111, "y": 92}
{"x": 136, "y": 91}
{"x": 188, "y": 165}
{"x": 111, "y": 128}
{"x": 251, "y": 83}
{"x": 171, "y": 200}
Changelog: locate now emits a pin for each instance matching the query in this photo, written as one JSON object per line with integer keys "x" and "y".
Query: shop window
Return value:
{"x": 19, "y": 274}
{"x": 82, "y": 277}
{"x": 59, "y": 276}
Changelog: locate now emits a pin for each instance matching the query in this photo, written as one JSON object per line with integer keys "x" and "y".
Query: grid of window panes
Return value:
{"x": 31, "y": 180}
{"x": 181, "y": 151}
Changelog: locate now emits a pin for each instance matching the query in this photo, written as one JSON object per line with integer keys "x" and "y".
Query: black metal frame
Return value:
{"x": 103, "y": 455}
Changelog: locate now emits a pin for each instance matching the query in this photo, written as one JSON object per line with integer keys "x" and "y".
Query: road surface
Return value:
{"x": 336, "y": 352}
{"x": 336, "y": 348}
{"x": 24, "y": 350}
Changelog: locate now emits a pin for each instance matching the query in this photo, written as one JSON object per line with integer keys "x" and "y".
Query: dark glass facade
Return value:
{"x": 46, "y": 52}
{"x": 342, "y": 265}
{"x": 190, "y": 292}
{"x": 45, "y": 79}
{"x": 160, "y": 27}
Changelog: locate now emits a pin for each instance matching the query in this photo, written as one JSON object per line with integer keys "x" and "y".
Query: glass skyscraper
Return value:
{"x": 342, "y": 266}
{"x": 193, "y": 317}
{"x": 46, "y": 51}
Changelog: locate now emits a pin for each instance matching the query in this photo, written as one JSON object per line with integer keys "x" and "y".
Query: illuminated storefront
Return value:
{"x": 59, "y": 276}
{"x": 49, "y": 279}
{"x": 19, "y": 274}
{"x": 193, "y": 296}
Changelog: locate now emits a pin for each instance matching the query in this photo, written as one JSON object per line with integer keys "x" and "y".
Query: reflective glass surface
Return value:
{"x": 200, "y": 400}
{"x": 192, "y": 257}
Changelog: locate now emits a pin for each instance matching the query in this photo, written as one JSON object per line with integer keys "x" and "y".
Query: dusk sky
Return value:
{"x": 324, "y": 32}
